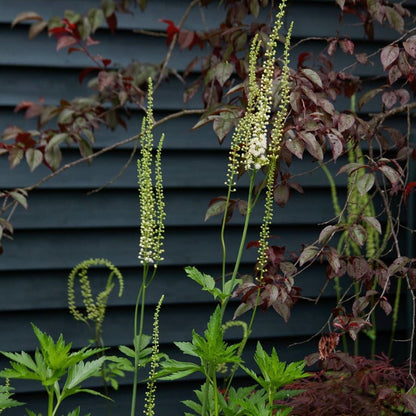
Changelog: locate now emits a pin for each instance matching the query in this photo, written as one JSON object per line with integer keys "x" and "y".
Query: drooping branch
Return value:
{"x": 109, "y": 148}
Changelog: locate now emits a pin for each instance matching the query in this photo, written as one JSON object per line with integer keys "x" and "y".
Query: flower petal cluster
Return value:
{"x": 250, "y": 145}
{"x": 250, "y": 148}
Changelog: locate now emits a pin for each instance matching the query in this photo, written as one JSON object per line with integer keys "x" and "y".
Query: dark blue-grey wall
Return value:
{"x": 64, "y": 225}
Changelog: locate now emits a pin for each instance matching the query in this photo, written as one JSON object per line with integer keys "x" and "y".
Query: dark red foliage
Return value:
{"x": 354, "y": 386}
{"x": 274, "y": 287}
{"x": 171, "y": 30}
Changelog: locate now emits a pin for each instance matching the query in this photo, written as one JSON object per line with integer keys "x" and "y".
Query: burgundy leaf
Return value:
{"x": 281, "y": 195}
{"x": 357, "y": 234}
{"x": 387, "y": 308}
{"x": 336, "y": 145}
{"x": 394, "y": 74}
{"x": 365, "y": 183}
{"x": 389, "y": 98}
{"x": 216, "y": 207}
{"x": 357, "y": 267}
{"x": 85, "y": 72}
{"x": 388, "y": 55}
{"x": 368, "y": 96}
{"x": 403, "y": 96}
{"x": 410, "y": 46}
{"x": 65, "y": 41}
{"x": 327, "y": 233}
{"x": 347, "y": 46}
{"x": 391, "y": 174}
{"x": 295, "y": 146}
{"x": 312, "y": 145}
{"x": 308, "y": 254}
{"x": 112, "y": 22}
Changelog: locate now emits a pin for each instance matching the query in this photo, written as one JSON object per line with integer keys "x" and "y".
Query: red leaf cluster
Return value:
{"x": 354, "y": 386}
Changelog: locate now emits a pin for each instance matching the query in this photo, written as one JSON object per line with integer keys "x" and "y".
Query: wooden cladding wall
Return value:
{"x": 64, "y": 225}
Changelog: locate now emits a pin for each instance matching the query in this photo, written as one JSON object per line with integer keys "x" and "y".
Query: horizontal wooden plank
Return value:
{"x": 178, "y": 132}
{"x": 54, "y": 85}
{"x": 26, "y": 291}
{"x": 17, "y": 51}
{"x": 301, "y": 12}
{"x": 52, "y": 249}
{"x": 184, "y": 207}
{"x": 181, "y": 169}
{"x": 176, "y": 323}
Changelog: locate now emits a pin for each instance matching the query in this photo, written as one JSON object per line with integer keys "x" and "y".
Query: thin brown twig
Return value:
{"x": 108, "y": 148}
{"x": 150, "y": 33}
{"x": 120, "y": 173}
{"x": 174, "y": 41}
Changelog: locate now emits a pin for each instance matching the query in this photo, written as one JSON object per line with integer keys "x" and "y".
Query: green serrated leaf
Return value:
{"x": 82, "y": 371}
{"x": 206, "y": 281}
{"x": 187, "y": 348}
{"x": 175, "y": 370}
{"x": 22, "y": 358}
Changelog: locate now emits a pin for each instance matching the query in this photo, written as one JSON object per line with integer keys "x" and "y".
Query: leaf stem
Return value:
{"x": 50, "y": 401}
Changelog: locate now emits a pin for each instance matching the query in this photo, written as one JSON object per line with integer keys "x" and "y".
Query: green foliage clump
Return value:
{"x": 60, "y": 371}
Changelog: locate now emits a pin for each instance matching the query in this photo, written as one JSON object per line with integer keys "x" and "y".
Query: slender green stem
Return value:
{"x": 395, "y": 315}
{"x": 244, "y": 341}
{"x": 374, "y": 336}
{"x": 206, "y": 392}
{"x": 242, "y": 242}
{"x": 50, "y": 401}
{"x": 270, "y": 393}
{"x": 333, "y": 187}
{"x": 214, "y": 379}
{"x": 337, "y": 211}
{"x": 138, "y": 332}
{"x": 224, "y": 249}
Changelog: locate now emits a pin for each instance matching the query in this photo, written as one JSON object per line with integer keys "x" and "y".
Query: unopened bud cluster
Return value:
{"x": 152, "y": 206}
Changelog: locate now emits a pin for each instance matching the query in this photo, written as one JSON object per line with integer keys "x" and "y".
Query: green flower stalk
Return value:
{"x": 152, "y": 207}
{"x": 95, "y": 310}
{"x": 154, "y": 364}
{"x": 152, "y": 217}
{"x": 249, "y": 143}
{"x": 250, "y": 148}
{"x": 273, "y": 155}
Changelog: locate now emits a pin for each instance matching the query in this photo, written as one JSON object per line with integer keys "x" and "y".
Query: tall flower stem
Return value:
{"x": 138, "y": 334}
{"x": 152, "y": 216}
{"x": 242, "y": 241}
